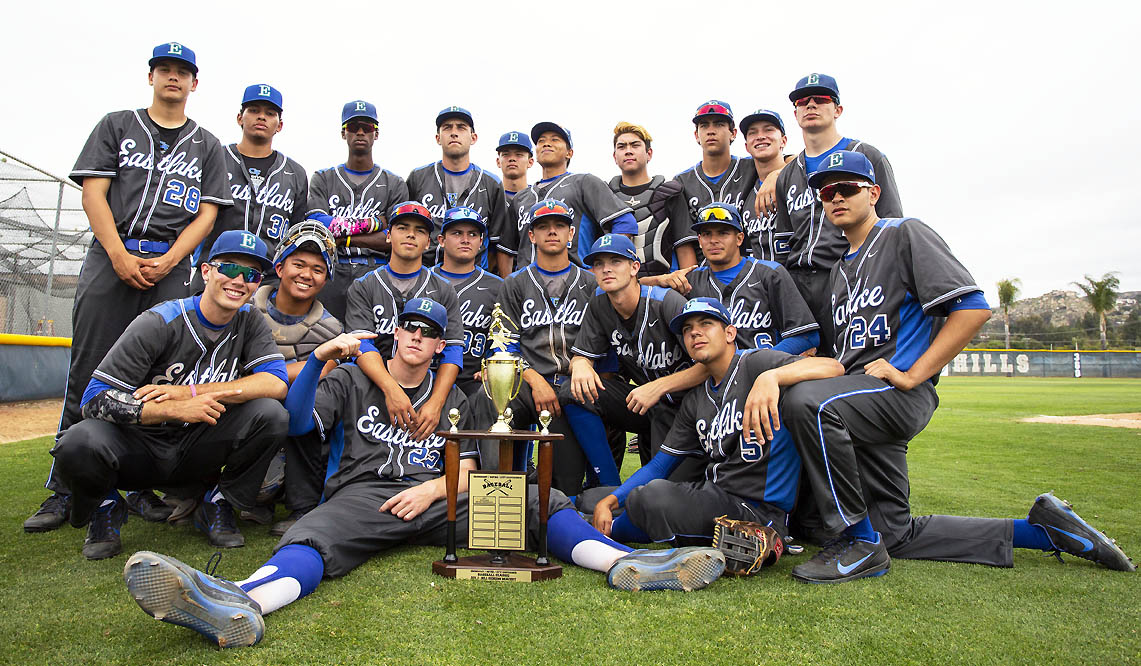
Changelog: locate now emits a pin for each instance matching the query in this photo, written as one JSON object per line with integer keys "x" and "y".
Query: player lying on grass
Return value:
{"x": 188, "y": 396}
{"x": 891, "y": 290}
{"x": 387, "y": 489}
{"x": 752, "y": 470}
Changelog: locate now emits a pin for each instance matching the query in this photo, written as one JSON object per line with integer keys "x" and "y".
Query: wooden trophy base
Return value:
{"x": 516, "y": 569}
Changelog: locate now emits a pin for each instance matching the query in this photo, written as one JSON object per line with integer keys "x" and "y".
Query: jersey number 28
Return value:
{"x": 178, "y": 194}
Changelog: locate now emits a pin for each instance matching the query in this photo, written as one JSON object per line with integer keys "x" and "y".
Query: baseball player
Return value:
{"x": 594, "y": 207}
{"x": 153, "y": 181}
{"x": 632, "y": 322}
{"x": 462, "y": 234}
{"x": 380, "y": 466}
{"x": 375, "y": 301}
{"x": 191, "y": 389}
{"x": 814, "y": 244}
{"x": 546, "y": 301}
{"x": 719, "y": 177}
{"x": 664, "y": 240}
{"x": 767, "y": 309}
{"x": 454, "y": 181}
{"x": 750, "y": 473}
{"x": 351, "y": 199}
{"x": 514, "y": 156}
{"x": 891, "y": 291}
{"x": 270, "y": 190}
{"x": 299, "y": 324}
{"x": 765, "y": 140}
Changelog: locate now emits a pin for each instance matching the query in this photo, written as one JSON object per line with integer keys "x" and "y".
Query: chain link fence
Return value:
{"x": 44, "y": 236}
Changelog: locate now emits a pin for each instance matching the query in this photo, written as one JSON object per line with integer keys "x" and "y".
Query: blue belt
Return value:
{"x": 143, "y": 245}
{"x": 376, "y": 261}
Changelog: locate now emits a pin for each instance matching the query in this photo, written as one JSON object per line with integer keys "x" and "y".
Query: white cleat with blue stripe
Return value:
{"x": 683, "y": 569}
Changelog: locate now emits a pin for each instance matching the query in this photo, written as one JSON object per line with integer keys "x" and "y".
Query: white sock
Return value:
{"x": 595, "y": 555}
{"x": 273, "y": 594}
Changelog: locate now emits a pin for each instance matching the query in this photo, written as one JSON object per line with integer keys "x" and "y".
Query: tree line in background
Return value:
{"x": 1092, "y": 331}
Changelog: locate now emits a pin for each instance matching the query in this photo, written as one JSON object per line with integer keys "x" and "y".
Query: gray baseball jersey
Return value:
{"x": 477, "y": 294}
{"x": 333, "y": 192}
{"x": 814, "y": 242}
{"x": 663, "y": 221}
{"x": 265, "y": 204}
{"x": 595, "y": 208}
{"x": 889, "y": 298}
{"x": 645, "y": 347}
{"x": 375, "y": 303}
{"x": 482, "y": 193}
{"x": 763, "y": 300}
{"x": 761, "y": 235}
{"x": 709, "y": 424}
{"x": 731, "y": 188}
{"x": 548, "y": 321}
{"x": 154, "y": 194}
{"x": 350, "y": 414}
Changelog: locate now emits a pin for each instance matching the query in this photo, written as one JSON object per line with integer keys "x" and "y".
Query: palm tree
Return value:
{"x": 1102, "y": 297}
{"x": 1007, "y": 293}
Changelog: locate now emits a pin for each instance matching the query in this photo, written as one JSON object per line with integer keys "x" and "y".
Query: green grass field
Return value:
{"x": 975, "y": 458}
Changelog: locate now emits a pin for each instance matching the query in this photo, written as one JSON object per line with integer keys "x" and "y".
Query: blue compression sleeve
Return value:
{"x": 798, "y": 344}
{"x": 275, "y": 367}
{"x": 302, "y": 396}
{"x": 591, "y": 436}
{"x": 660, "y": 466}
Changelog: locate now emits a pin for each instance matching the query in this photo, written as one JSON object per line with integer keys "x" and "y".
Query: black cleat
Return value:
{"x": 282, "y": 526}
{"x": 216, "y": 519}
{"x": 103, "y": 531}
{"x": 149, "y": 506}
{"x": 53, "y": 513}
{"x": 1070, "y": 534}
{"x": 843, "y": 559}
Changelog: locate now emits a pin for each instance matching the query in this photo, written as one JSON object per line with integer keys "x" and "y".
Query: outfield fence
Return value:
{"x": 1045, "y": 363}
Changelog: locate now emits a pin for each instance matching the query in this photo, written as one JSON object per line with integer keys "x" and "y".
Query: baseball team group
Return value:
{"x": 770, "y": 328}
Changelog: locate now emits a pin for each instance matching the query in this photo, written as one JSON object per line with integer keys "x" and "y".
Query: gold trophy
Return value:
{"x": 502, "y": 372}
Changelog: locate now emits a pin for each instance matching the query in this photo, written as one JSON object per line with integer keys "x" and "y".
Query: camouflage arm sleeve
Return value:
{"x": 114, "y": 406}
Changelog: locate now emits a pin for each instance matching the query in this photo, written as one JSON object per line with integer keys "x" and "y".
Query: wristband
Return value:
{"x": 348, "y": 239}
{"x": 193, "y": 391}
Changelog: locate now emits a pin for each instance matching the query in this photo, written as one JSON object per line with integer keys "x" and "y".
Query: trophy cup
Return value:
{"x": 497, "y": 499}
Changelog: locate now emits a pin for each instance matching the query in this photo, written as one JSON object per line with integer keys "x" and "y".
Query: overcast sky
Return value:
{"x": 1011, "y": 125}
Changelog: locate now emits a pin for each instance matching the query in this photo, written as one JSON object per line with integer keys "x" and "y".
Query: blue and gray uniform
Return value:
{"x": 889, "y": 298}
{"x": 439, "y": 189}
{"x": 477, "y": 293}
{"x": 731, "y": 187}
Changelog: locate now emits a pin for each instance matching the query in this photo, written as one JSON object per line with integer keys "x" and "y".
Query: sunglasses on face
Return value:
{"x": 846, "y": 189}
{"x": 426, "y": 330}
{"x": 716, "y": 214}
{"x": 353, "y": 127}
{"x": 232, "y": 270}
{"x": 818, "y": 100}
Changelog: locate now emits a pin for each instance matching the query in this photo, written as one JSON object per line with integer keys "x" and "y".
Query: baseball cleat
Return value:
{"x": 1070, "y": 534}
{"x": 52, "y": 514}
{"x": 103, "y": 538}
{"x": 843, "y": 559}
{"x": 173, "y": 592}
{"x": 148, "y": 505}
{"x": 216, "y": 519}
{"x": 684, "y": 569}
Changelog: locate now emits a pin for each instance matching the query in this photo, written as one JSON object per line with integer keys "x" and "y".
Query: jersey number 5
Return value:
{"x": 178, "y": 194}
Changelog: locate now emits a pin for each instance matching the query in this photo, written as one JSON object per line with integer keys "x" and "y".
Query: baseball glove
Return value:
{"x": 747, "y": 546}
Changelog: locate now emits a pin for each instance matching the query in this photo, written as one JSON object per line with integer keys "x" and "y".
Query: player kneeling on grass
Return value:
{"x": 388, "y": 489}
{"x": 890, "y": 291}
{"x": 188, "y": 395}
{"x": 753, "y": 478}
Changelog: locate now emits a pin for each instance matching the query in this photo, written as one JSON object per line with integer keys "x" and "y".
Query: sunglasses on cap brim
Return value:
{"x": 716, "y": 215}
{"x": 713, "y": 109}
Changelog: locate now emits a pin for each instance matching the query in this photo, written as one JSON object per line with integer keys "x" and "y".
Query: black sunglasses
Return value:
{"x": 426, "y": 330}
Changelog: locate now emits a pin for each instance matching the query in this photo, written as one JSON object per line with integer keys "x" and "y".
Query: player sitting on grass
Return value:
{"x": 387, "y": 490}
{"x": 891, "y": 291}
{"x": 747, "y": 477}
{"x": 188, "y": 395}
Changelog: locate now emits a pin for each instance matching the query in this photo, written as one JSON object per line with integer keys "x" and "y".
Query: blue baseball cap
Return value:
{"x": 719, "y": 213}
{"x": 548, "y": 126}
{"x": 236, "y": 241}
{"x": 427, "y": 310}
{"x": 462, "y": 214}
{"x": 550, "y": 208}
{"x": 173, "y": 51}
{"x": 615, "y": 244}
{"x": 515, "y": 139}
{"x": 815, "y": 84}
{"x": 847, "y": 162}
{"x": 700, "y": 306}
{"x": 714, "y": 108}
{"x": 359, "y": 108}
{"x": 455, "y": 112}
{"x": 759, "y": 115}
{"x": 262, "y": 92}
